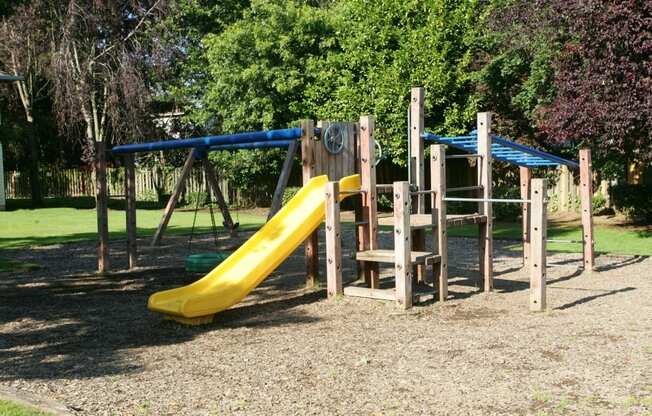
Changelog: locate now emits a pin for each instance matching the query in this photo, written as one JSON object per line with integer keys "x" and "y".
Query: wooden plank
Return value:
{"x": 308, "y": 171}
{"x": 130, "y": 197}
{"x": 389, "y": 256}
{"x": 402, "y": 244}
{"x": 211, "y": 177}
{"x": 102, "y": 207}
{"x": 564, "y": 191}
{"x": 538, "y": 224}
{"x": 525, "y": 176}
{"x": 486, "y": 229}
{"x": 174, "y": 198}
{"x": 365, "y": 292}
{"x": 440, "y": 233}
{"x": 586, "y": 194}
{"x": 333, "y": 240}
{"x": 369, "y": 201}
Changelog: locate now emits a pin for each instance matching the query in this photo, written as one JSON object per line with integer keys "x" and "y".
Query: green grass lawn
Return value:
{"x": 608, "y": 239}
{"x": 12, "y": 409}
{"x": 25, "y": 227}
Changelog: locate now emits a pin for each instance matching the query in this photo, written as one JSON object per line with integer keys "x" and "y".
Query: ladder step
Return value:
{"x": 387, "y": 256}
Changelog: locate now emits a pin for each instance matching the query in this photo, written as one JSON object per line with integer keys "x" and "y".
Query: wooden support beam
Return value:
{"x": 538, "y": 235}
{"x": 416, "y": 146}
{"x": 369, "y": 201}
{"x": 564, "y": 180}
{"x": 333, "y": 240}
{"x": 586, "y": 194}
{"x": 211, "y": 177}
{"x": 174, "y": 198}
{"x": 277, "y": 199}
{"x": 418, "y": 168}
{"x": 130, "y": 197}
{"x": 440, "y": 234}
{"x": 102, "y": 207}
{"x": 402, "y": 244}
{"x": 308, "y": 171}
{"x": 485, "y": 165}
{"x": 525, "y": 176}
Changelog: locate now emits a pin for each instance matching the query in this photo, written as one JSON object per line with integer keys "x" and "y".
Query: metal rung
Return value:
{"x": 464, "y": 156}
{"x": 566, "y": 241}
{"x": 466, "y": 188}
{"x": 423, "y": 192}
{"x": 508, "y": 201}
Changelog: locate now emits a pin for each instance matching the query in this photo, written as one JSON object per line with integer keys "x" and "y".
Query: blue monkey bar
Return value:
{"x": 272, "y": 144}
{"x": 209, "y": 142}
{"x": 504, "y": 150}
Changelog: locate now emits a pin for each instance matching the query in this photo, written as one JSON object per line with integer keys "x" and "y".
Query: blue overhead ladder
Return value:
{"x": 504, "y": 150}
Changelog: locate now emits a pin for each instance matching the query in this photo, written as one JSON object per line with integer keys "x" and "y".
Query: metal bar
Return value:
{"x": 507, "y": 201}
{"x": 466, "y": 188}
{"x": 208, "y": 141}
{"x": 536, "y": 152}
{"x": 463, "y": 156}
{"x": 280, "y": 144}
{"x": 565, "y": 241}
{"x": 426, "y": 192}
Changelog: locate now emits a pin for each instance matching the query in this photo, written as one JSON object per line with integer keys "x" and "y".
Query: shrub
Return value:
{"x": 634, "y": 201}
{"x": 289, "y": 193}
{"x": 598, "y": 203}
{"x": 506, "y": 211}
{"x": 194, "y": 197}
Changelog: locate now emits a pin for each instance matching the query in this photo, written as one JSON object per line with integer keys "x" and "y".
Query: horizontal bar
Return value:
{"x": 273, "y": 144}
{"x": 535, "y": 152}
{"x": 208, "y": 141}
{"x": 388, "y": 187}
{"x": 430, "y": 191}
{"x": 463, "y": 156}
{"x": 465, "y": 188}
{"x": 566, "y": 241}
{"x": 507, "y": 201}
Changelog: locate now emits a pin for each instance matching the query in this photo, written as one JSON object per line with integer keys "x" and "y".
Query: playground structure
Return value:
{"x": 410, "y": 218}
{"x": 338, "y": 161}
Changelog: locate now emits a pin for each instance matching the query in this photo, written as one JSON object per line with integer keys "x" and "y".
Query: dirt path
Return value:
{"x": 89, "y": 342}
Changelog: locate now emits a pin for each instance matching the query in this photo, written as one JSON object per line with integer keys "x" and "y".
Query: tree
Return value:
{"x": 573, "y": 73}
{"x": 24, "y": 51}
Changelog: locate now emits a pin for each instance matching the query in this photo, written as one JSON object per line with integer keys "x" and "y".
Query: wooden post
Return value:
{"x": 214, "y": 183}
{"x": 333, "y": 240}
{"x": 586, "y": 191}
{"x": 130, "y": 197}
{"x": 418, "y": 169}
{"x": 526, "y": 176}
{"x": 440, "y": 234}
{"x": 282, "y": 183}
{"x": 538, "y": 221}
{"x": 3, "y": 195}
{"x": 174, "y": 198}
{"x": 369, "y": 202}
{"x": 102, "y": 207}
{"x": 486, "y": 229}
{"x": 402, "y": 246}
{"x": 308, "y": 171}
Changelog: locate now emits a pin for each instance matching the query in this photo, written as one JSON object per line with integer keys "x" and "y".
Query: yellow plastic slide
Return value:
{"x": 248, "y": 266}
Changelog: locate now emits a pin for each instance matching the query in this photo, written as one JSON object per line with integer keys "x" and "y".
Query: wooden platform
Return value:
{"x": 423, "y": 293}
{"x": 424, "y": 221}
{"x": 387, "y": 256}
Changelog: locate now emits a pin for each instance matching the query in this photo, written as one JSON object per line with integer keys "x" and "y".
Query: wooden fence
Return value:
{"x": 150, "y": 183}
